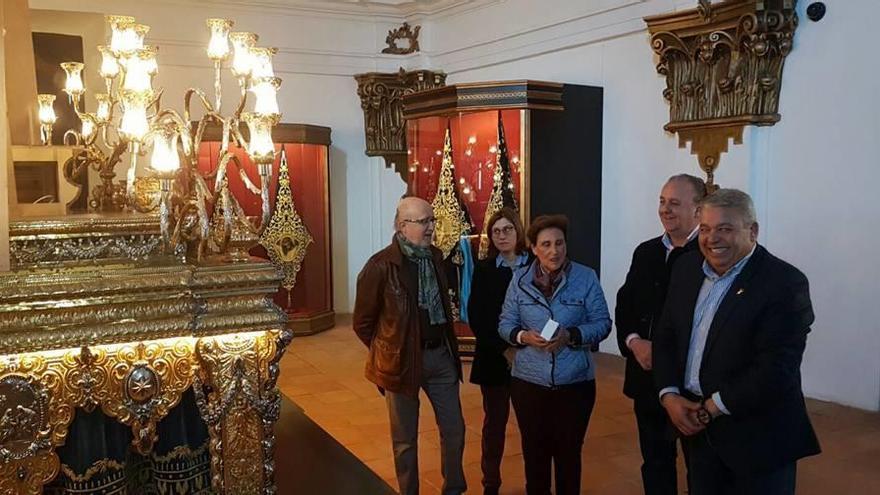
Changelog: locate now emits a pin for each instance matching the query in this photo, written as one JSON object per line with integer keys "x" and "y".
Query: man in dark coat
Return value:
{"x": 639, "y": 303}
{"x": 727, "y": 356}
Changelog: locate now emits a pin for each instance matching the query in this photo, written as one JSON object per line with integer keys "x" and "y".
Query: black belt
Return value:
{"x": 431, "y": 344}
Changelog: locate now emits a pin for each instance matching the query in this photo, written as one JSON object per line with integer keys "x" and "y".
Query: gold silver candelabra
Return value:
{"x": 183, "y": 198}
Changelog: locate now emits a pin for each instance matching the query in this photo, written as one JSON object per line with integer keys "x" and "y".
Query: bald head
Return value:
{"x": 414, "y": 220}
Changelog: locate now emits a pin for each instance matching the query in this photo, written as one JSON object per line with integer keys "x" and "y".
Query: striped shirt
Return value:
{"x": 712, "y": 292}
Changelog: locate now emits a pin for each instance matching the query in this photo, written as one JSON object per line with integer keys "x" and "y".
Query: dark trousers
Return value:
{"x": 552, "y": 423}
{"x": 657, "y": 441}
{"x": 496, "y": 410}
{"x": 710, "y": 476}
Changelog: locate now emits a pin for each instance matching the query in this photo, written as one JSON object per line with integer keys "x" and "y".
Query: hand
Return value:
{"x": 510, "y": 355}
{"x": 682, "y": 413}
{"x": 712, "y": 408}
{"x": 641, "y": 349}
{"x": 533, "y": 338}
{"x": 562, "y": 339}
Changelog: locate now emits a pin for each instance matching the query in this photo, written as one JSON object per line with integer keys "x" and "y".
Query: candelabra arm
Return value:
{"x": 265, "y": 170}
{"x": 77, "y": 138}
{"x": 187, "y": 102}
{"x": 218, "y": 87}
{"x": 243, "y": 84}
{"x": 165, "y": 183}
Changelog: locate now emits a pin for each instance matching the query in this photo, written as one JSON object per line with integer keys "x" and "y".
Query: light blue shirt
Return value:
{"x": 521, "y": 261}
{"x": 667, "y": 241}
{"x": 712, "y": 292}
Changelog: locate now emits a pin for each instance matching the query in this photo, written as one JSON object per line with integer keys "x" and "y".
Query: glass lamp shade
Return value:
{"x": 137, "y": 74}
{"x": 241, "y": 53}
{"x": 165, "y": 158}
{"x": 134, "y": 125}
{"x": 46, "y": 112}
{"x": 89, "y": 125}
{"x": 260, "y": 148}
{"x": 218, "y": 46}
{"x": 102, "y": 114}
{"x": 119, "y": 26}
{"x": 265, "y": 90}
{"x": 261, "y": 62}
{"x": 109, "y": 65}
{"x": 73, "y": 86}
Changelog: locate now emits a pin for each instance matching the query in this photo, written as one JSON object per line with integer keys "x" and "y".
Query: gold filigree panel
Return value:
{"x": 452, "y": 221}
{"x": 286, "y": 239}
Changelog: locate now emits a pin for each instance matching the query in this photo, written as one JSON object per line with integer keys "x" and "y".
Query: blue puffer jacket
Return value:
{"x": 577, "y": 303}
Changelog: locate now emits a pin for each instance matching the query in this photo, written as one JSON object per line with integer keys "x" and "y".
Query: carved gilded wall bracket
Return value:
{"x": 382, "y": 102}
{"x": 723, "y": 65}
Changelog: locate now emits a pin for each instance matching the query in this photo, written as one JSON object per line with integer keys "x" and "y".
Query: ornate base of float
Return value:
{"x": 130, "y": 339}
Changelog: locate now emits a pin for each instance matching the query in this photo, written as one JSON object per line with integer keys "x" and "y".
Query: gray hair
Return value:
{"x": 696, "y": 183}
{"x": 733, "y": 199}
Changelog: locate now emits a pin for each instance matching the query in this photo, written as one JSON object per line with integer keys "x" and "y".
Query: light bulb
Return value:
{"x": 472, "y": 140}
{"x": 165, "y": 158}
{"x": 241, "y": 52}
{"x": 73, "y": 86}
{"x": 493, "y": 149}
{"x": 266, "y": 91}
{"x": 218, "y": 46}
{"x": 46, "y": 112}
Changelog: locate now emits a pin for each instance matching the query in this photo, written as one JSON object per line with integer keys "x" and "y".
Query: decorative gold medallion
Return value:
{"x": 452, "y": 222}
{"x": 287, "y": 238}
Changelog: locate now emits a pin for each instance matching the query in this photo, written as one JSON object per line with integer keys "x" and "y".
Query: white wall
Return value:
{"x": 812, "y": 175}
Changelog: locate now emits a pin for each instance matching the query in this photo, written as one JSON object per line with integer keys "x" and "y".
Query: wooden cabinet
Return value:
{"x": 553, "y": 134}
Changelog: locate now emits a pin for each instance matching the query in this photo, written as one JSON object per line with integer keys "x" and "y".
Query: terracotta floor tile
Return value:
{"x": 323, "y": 374}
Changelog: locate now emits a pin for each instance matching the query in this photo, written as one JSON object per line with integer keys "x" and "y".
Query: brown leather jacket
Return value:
{"x": 386, "y": 319}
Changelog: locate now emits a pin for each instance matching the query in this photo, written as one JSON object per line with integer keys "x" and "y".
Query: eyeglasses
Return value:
{"x": 506, "y": 230}
{"x": 424, "y": 222}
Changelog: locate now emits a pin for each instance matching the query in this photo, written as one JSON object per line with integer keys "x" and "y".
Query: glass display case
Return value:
{"x": 309, "y": 305}
{"x": 551, "y": 152}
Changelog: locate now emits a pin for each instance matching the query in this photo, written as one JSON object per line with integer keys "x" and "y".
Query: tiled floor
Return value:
{"x": 324, "y": 375}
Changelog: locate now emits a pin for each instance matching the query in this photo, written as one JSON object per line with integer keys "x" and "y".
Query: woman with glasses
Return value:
{"x": 554, "y": 311}
{"x": 490, "y": 369}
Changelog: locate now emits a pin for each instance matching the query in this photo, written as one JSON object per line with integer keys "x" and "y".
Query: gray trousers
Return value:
{"x": 440, "y": 383}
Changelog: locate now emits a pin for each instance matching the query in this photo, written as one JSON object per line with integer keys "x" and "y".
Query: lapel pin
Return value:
{"x": 740, "y": 292}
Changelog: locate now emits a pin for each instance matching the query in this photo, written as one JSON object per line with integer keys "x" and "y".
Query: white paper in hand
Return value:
{"x": 549, "y": 329}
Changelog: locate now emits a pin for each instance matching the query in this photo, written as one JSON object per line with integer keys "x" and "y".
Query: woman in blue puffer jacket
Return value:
{"x": 553, "y": 386}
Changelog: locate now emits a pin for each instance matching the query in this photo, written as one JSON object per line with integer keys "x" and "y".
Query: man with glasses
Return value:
{"x": 402, "y": 314}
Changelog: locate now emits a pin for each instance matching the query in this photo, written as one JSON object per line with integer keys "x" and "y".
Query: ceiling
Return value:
{"x": 391, "y": 7}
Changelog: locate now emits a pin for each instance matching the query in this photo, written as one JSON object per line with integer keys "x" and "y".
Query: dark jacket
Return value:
{"x": 488, "y": 286}
{"x": 386, "y": 319}
{"x": 752, "y": 358}
{"x": 639, "y": 304}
